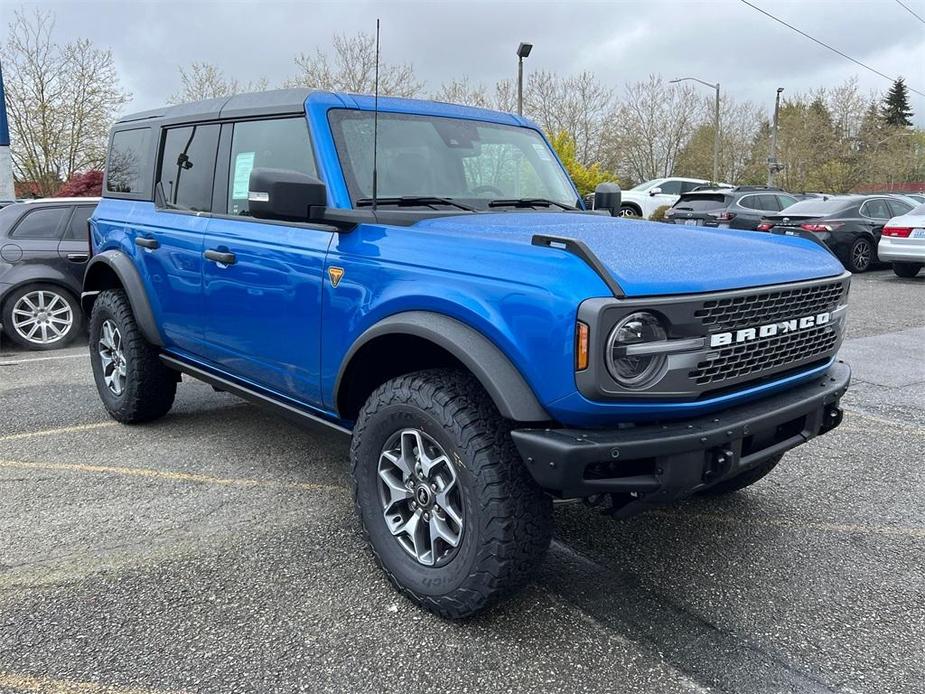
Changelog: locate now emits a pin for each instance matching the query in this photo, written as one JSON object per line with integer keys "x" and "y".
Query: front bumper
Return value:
{"x": 657, "y": 464}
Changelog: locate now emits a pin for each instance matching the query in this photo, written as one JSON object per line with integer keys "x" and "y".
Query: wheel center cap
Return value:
{"x": 423, "y": 496}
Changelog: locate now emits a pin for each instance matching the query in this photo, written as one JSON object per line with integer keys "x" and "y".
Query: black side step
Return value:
{"x": 291, "y": 412}
{"x": 580, "y": 249}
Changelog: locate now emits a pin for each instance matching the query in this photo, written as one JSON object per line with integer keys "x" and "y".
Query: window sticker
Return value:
{"x": 243, "y": 164}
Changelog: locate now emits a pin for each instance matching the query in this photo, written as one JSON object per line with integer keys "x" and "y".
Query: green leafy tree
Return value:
{"x": 896, "y": 109}
{"x": 586, "y": 177}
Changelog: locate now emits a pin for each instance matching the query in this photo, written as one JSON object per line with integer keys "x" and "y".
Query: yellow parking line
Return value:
{"x": 29, "y": 684}
{"x": 166, "y": 475}
{"x": 61, "y": 430}
{"x": 917, "y": 533}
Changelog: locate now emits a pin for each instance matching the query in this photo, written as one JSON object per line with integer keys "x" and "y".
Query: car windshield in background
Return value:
{"x": 817, "y": 207}
{"x": 701, "y": 202}
{"x": 461, "y": 160}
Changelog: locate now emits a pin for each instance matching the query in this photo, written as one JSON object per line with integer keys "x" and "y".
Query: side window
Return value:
{"x": 128, "y": 163}
{"x": 877, "y": 209}
{"x": 77, "y": 228}
{"x": 898, "y": 207}
{"x": 671, "y": 187}
{"x": 749, "y": 202}
{"x": 43, "y": 224}
{"x": 768, "y": 203}
{"x": 274, "y": 144}
{"x": 786, "y": 201}
{"x": 187, "y": 167}
{"x": 688, "y": 186}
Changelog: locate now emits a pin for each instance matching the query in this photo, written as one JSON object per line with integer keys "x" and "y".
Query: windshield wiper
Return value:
{"x": 414, "y": 201}
{"x": 529, "y": 202}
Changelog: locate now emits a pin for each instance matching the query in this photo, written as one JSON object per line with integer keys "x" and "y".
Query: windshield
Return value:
{"x": 473, "y": 162}
{"x": 645, "y": 185}
{"x": 818, "y": 207}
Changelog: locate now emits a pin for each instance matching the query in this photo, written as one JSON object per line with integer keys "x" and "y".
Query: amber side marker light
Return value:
{"x": 581, "y": 346}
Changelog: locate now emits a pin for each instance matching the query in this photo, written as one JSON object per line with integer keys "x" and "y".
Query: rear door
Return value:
{"x": 877, "y": 213}
{"x": 36, "y": 235}
{"x": 74, "y": 247}
{"x": 262, "y": 296}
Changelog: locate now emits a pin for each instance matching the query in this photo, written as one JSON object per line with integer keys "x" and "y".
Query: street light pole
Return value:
{"x": 773, "y": 166}
{"x": 523, "y": 50}
{"x": 716, "y": 133}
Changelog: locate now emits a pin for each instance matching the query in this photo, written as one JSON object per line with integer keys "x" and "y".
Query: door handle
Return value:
{"x": 145, "y": 242}
{"x": 222, "y": 257}
{"x": 78, "y": 257}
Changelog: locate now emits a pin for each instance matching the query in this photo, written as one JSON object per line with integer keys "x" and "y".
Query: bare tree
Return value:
{"x": 353, "y": 68}
{"x": 464, "y": 92}
{"x": 61, "y": 101}
{"x": 740, "y": 123}
{"x": 650, "y": 127}
{"x": 207, "y": 81}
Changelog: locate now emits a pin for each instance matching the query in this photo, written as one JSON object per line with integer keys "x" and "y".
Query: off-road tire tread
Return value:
{"x": 157, "y": 385}
{"x": 746, "y": 479}
{"x": 517, "y": 514}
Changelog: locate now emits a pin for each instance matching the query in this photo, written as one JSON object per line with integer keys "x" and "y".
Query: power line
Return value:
{"x": 909, "y": 10}
{"x": 825, "y": 45}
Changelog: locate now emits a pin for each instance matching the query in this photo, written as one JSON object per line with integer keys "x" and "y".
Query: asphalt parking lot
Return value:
{"x": 216, "y": 551}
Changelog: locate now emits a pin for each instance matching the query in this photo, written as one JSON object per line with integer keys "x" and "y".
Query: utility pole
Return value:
{"x": 7, "y": 189}
{"x": 523, "y": 50}
{"x": 773, "y": 165}
{"x": 716, "y": 133}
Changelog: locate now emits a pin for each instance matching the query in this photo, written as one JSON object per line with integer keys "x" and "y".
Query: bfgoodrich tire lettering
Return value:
{"x": 506, "y": 516}
{"x": 146, "y": 388}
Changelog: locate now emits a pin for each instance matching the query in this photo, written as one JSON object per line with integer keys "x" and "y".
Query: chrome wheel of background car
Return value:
{"x": 861, "y": 254}
{"x": 42, "y": 317}
{"x": 421, "y": 497}
{"x": 112, "y": 357}
{"x": 628, "y": 212}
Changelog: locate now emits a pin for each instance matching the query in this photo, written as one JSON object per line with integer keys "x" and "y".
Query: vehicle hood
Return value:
{"x": 652, "y": 258}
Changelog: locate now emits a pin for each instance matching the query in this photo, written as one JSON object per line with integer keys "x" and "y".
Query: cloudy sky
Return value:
{"x": 620, "y": 41}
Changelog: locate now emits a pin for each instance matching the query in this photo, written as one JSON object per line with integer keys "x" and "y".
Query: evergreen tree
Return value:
{"x": 896, "y": 109}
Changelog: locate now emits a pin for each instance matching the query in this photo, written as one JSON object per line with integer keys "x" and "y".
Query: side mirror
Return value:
{"x": 655, "y": 191}
{"x": 607, "y": 196}
{"x": 285, "y": 195}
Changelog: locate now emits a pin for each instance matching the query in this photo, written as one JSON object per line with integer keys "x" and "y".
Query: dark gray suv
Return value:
{"x": 742, "y": 207}
{"x": 44, "y": 248}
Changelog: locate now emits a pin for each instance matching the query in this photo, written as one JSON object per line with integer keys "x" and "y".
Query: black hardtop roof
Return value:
{"x": 276, "y": 101}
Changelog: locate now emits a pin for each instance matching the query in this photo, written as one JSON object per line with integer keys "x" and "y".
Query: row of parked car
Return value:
{"x": 861, "y": 230}
{"x": 44, "y": 245}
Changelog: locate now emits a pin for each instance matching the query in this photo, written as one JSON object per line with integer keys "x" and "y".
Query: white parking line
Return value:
{"x": 59, "y": 356}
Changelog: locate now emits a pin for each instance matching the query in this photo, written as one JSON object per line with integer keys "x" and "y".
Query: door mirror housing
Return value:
{"x": 607, "y": 196}
{"x": 655, "y": 191}
{"x": 284, "y": 195}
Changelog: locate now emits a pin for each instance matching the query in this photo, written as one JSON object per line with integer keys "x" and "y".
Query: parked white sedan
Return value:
{"x": 647, "y": 197}
{"x": 903, "y": 242}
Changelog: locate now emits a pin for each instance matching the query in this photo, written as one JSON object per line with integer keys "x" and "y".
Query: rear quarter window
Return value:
{"x": 43, "y": 224}
{"x": 129, "y": 163}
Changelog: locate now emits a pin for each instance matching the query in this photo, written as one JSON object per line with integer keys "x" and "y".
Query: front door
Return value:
{"x": 262, "y": 280}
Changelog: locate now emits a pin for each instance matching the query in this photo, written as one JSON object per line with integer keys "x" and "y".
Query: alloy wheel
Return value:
{"x": 42, "y": 317}
{"x": 112, "y": 357}
{"x": 860, "y": 254}
{"x": 421, "y": 497}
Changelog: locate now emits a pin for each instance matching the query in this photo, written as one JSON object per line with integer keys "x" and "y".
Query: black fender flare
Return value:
{"x": 124, "y": 268}
{"x": 504, "y": 383}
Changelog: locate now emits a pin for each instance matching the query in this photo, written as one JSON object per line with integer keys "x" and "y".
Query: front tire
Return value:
{"x": 132, "y": 382}
{"x": 42, "y": 317}
{"x": 630, "y": 211}
{"x": 449, "y": 510}
{"x": 907, "y": 270}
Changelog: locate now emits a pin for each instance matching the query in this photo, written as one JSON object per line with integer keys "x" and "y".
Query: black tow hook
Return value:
{"x": 831, "y": 418}
{"x": 718, "y": 464}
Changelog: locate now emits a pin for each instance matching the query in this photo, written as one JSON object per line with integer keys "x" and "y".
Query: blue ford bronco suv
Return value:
{"x": 424, "y": 277}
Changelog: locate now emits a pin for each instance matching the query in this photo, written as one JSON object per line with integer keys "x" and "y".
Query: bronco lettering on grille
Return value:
{"x": 770, "y": 330}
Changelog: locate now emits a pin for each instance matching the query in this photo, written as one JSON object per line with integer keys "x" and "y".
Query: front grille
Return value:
{"x": 748, "y": 310}
{"x": 767, "y": 354}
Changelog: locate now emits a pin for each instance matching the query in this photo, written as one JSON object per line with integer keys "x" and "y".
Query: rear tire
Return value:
{"x": 505, "y": 521}
{"x": 630, "y": 211}
{"x": 132, "y": 382}
{"x": 907, "y": 269}
{"x": 746, "y": 479}
{"x": 42, "y": 317}
{"x": 861, "y": 255}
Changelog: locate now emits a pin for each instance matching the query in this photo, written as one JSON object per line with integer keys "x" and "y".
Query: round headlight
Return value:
{"x": 627, "y": 359}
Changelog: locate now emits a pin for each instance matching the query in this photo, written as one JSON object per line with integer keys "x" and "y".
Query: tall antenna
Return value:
{"x": 376, "y": 123}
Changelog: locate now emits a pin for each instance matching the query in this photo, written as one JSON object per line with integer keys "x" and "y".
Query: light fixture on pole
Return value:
{"x": 774, "y": 166}
{"x": 715, "y": 123}
{"x": 523, "y": 50}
